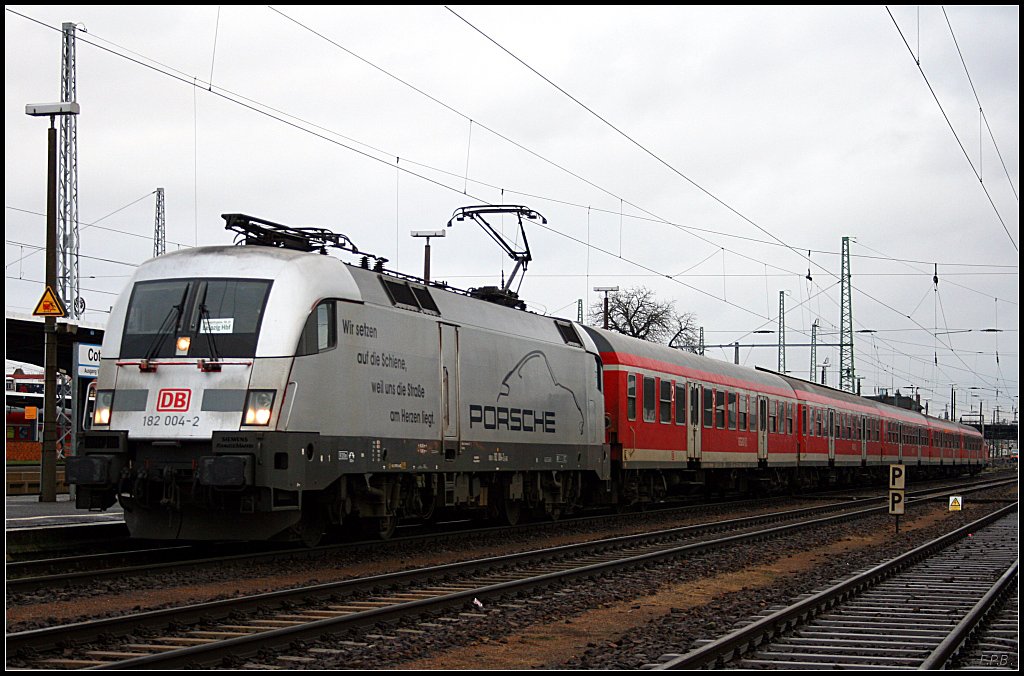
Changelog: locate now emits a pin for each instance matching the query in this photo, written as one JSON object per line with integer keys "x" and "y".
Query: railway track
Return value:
{"x": 915, "y": 611}
{"x": 36, "y": 574}
{"x": 995, "y": 645}
{"x": 205, "y": 634}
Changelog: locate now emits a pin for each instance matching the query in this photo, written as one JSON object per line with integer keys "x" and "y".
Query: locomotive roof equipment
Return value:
{"x": 267, "y": 233}
{"x": 522, "y": 257}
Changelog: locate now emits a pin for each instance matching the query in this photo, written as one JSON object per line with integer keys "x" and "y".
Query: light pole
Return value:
{"x": 606, "y": 290}
{"x": 426, "y": 249}
{"x": 48, "y": 457}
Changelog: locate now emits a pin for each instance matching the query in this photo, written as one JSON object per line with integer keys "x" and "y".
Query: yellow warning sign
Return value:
{"x": 49, "y": 305}
{"x": 31, "y": 413}
{"x": 955, "y": 503}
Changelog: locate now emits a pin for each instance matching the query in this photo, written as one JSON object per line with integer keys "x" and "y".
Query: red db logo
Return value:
{"x": 173, "y": 400}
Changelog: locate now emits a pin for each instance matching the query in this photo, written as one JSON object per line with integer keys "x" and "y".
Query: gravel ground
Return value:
{"x": 76, "y": 602}
{"x": 624, "y": 621}
{"x": 634, "y": 618}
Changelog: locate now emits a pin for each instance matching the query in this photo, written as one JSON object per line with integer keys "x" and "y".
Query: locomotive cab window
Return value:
{"x": 320, "y": 332}
{"x": 194, "y": 318}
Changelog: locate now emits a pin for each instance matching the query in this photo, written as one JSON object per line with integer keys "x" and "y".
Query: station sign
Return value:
{"x": 956, "y": 503}
{"x": 88, "y": 361}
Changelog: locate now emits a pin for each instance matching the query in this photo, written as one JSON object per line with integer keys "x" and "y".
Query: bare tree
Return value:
{"x": 637, "y": 312}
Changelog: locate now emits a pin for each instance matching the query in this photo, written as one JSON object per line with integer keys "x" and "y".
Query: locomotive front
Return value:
{"x": 193, "y": 381}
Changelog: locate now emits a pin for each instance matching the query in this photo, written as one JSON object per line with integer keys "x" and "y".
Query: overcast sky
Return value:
{"x": 755, "y": 135}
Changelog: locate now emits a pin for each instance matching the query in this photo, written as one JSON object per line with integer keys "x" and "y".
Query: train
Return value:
{"x": 267, "y": 391}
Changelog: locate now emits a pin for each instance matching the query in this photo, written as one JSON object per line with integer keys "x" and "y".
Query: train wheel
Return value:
{"x": 311, "y": 528}
{"x": 379, "y": 527}
{"x": 510, "y": 512}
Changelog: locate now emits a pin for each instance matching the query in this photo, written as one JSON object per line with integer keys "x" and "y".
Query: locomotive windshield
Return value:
{"x": 208, "y": 318}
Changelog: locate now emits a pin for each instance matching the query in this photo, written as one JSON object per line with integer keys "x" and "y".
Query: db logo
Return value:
{"x": 173, "y": 400}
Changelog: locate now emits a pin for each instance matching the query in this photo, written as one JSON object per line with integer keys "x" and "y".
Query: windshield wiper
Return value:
{"x": 171, "y": 320}
{"x": 204, "y": 314}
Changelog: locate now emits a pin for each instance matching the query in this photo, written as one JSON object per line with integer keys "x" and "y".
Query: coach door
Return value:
{"x": 831, "y": 435}
{"x": 450, "y": 390}
{"x": 899, "y": 442}
{"x": 863, "y": 440}
{"x": 693, "y": 430}
{"x": 762, "y": 428}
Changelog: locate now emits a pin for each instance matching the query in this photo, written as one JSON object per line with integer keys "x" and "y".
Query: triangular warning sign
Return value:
{"x": 49, "y": 305}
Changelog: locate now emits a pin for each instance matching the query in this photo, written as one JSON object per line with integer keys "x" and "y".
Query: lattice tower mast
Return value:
{"x": 160, "y": 226}
{"x": 67, "y": 188}
{"x": 847, "y": 375}
{"x": 814, "y": 350}
{"x": 782, "y": 331}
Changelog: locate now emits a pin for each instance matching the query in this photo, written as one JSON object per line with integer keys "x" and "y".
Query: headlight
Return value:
{"x": 258, "y": 405}
{"x": 104, "y": 402}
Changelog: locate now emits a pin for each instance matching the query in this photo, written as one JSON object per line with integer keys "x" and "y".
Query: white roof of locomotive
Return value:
{"x": 300, "y": 280}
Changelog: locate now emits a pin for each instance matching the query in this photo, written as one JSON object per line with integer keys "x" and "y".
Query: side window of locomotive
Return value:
{"x": 320, "y": 332}
{"x": 665, "y": 412}
{"x": 631, "y": 396}
{"x": 680, "y": 403}
{"x": 599, "y": 373}
{"x": 709, "y": 407}
{"x": 650, "y": 392}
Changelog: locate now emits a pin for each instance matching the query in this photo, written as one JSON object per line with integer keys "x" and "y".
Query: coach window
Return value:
{"x": 789, "y": 417}
{"x": 320, "y": 332}
{"x": 666, "y": 401}
{"x": 680, "y": 403}
{"x": 772, "y": 415}
{"x": 732, "y": 410}
{"x": 631, "y": 396}
{"x": 720, "y": 409}
{"x": 650, "y": 392}
{"x": 709, "y": 407}
{"x": 744, "y": 406}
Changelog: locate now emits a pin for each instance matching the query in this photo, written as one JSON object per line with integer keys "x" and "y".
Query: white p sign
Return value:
{"x": 897, "y": 477}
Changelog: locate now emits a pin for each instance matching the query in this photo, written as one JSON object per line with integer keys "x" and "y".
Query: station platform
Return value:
{"x": 25, "y": 511}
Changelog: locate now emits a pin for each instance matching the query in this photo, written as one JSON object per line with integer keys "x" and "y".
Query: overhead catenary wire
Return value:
{"x": 256, "y": 108}
{"x": 955, "y": 135}
{"x": 693, "y": 182}
{"x": 620, "y": 212}
{"x": 981, "y": 110}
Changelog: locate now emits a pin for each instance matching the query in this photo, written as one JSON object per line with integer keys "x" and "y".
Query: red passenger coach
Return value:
{"x": 688, "y": 418}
